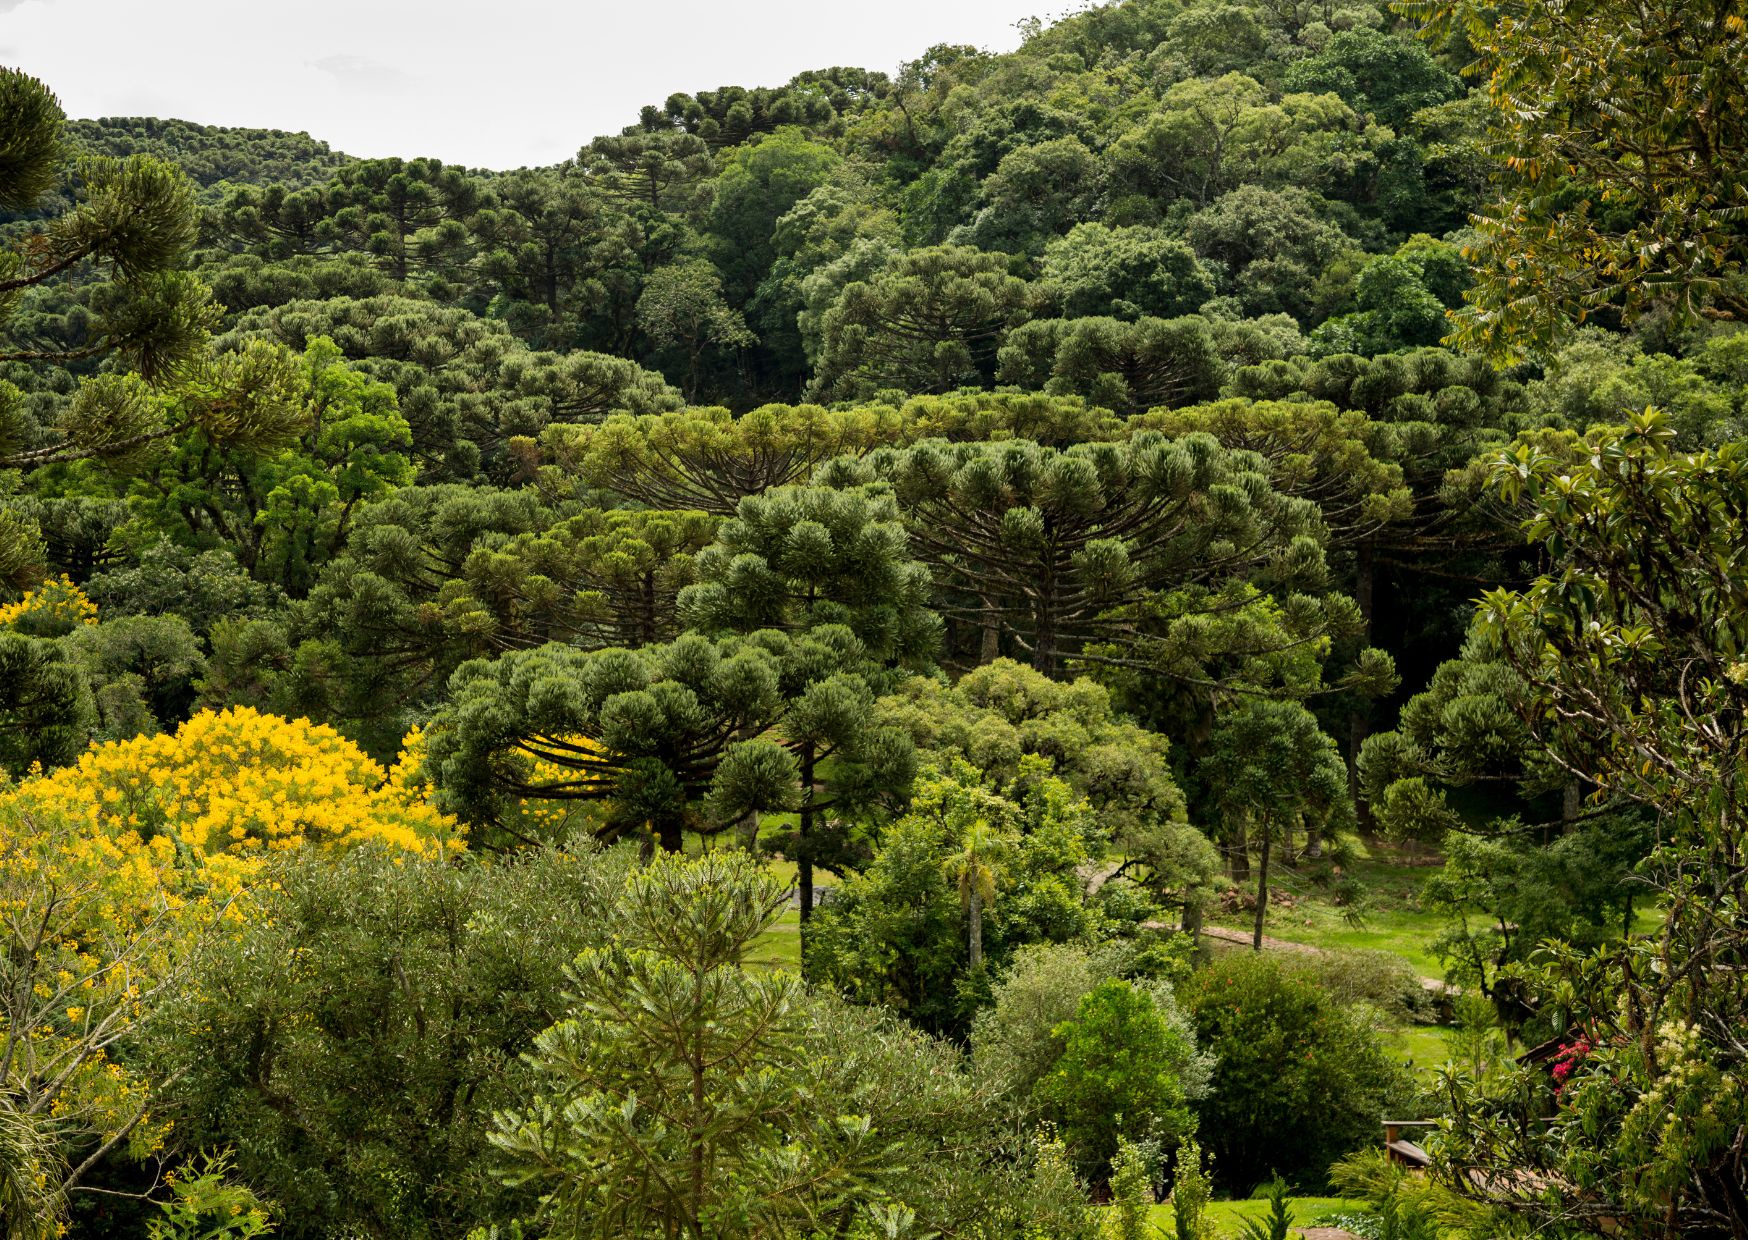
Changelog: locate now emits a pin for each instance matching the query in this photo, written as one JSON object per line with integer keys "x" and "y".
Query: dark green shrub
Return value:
{"x": 351, "y": 1042}
{"x": 1299, "y": 1079}
{"x": 1117, "y": 1078}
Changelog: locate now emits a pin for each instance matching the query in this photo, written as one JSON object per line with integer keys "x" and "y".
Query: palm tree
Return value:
{"x": 975, "y": 867}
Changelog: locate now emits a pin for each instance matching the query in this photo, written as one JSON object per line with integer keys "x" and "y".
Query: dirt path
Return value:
{"x": 1244, "y": 938}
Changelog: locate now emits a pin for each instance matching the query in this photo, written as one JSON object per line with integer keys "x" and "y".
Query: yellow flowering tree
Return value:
{"x": 52, "y": 609}
{"x": 118, "y": 870}
{"x": 95, "y": 929}
{"x": 236, "y": 782}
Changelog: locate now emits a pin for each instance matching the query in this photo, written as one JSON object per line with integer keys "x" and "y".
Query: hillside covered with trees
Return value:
{"x": 1030, "y": 646}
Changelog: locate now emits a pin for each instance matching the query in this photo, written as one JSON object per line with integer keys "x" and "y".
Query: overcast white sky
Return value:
{"x": 496, "y": 83}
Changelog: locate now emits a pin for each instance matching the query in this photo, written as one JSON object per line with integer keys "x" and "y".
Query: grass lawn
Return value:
{"x": 1392, "y": 919}
{"x": 1229, "y": 1216}
{"x": 785, "y": 871}
{"x": 780, "y": 946}
{"x": 1424, "y": 1047}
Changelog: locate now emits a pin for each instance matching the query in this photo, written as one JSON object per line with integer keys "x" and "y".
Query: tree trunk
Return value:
{"x": 991, "y": 650}
{"x": 1192, "y": 926}
{"x": 976, "y": 903}
{"x": 1237, "y": 849}
{"x": 1571, "y": 805}
{"x": 1262, "y": 891}
{"x": 699, "y": 1136}
{"x": 1044, "y": 621}
{"x": 647, "y": 612}
{"x": 1044, "y": 653}
{"x": 804, "y": 840}
{"x": 1365, "y": 575}
{"x": 1359, "y": 725}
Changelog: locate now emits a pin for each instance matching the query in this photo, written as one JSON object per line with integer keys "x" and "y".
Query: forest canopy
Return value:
{"x": 1029, "y": 645}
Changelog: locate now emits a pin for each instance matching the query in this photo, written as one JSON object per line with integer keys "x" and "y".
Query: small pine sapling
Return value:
{"x": 1190, "y": 1193}
{"x": 1279, "y": 1223}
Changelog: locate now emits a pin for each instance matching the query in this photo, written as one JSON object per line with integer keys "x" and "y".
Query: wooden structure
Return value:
{"x": 1403, "y": 1151}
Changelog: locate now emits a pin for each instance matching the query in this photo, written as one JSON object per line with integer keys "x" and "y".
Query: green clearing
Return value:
{"x": 1229, "y": 1216}
{"x": 780, "y": 946}
{"x": 785, "y": 870}
{"x": 1391, "y": 920}
{"x": 1424, "y": 1047}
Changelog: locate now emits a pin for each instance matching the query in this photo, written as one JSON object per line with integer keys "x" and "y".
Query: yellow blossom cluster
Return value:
{"x": 407, "y": 778}
{"x": 56, "y": 607}
{"x": 238, "y": 782}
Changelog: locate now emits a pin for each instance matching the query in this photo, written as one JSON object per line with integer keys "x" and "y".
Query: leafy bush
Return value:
{"x": 1190, "y": 1193}
{"x": 1132, "y": 1188}
{"x": 351, "y": 1043}
{"x": 1382, "y": 979}
{"x": 1115, "y": 1079}
{"x": 1299, "y": 1079}
{"x": 1015, "y": 1040}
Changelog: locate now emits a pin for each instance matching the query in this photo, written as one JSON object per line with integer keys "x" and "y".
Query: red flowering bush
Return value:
{"x": 1569, "y": 1056}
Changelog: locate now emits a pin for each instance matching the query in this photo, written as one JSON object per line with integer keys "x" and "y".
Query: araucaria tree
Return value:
{"x": 799, "y": 558}
{"x": 710, "y": 460}
{"x": 692, "y": 735}
{"x": 1047, "y": 551}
